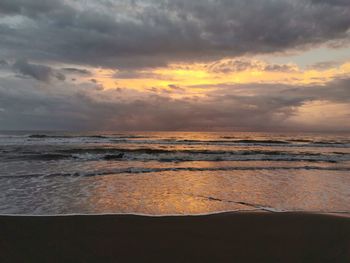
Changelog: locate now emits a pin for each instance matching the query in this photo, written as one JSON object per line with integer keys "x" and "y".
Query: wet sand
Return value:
{"x": 227, "y": 237}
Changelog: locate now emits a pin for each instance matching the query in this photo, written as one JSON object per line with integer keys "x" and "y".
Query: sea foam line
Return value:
{"x": 131, "y": 170}
{"x": 178, "y": 215}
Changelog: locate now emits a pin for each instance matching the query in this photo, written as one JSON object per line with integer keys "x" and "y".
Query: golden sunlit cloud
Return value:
{"x": 194, "y": 79}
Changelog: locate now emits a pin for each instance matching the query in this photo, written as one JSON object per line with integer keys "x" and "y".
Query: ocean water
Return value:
{"x": 159, "y": 173}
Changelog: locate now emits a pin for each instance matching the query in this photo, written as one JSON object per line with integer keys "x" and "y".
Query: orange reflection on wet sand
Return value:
{"x": 161, "y": 194}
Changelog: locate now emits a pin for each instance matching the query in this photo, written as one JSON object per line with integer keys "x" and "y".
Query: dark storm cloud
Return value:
{"x": 38, "y": 72}
{"x": 85, "y": 107}
{"x": 138, "y": 33}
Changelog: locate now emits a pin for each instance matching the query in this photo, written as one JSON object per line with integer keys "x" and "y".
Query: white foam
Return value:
{"x": 179, "y": 215}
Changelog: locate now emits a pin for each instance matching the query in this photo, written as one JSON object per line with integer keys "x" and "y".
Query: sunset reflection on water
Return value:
{"x": 197, "y": 193}
{"x": 177, "y": 173}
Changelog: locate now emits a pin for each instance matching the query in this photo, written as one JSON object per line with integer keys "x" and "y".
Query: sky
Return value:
{"x": 168, "y": 65}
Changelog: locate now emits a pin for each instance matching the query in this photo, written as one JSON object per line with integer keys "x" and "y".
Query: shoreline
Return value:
{"x": 228, "y": 212}
{"x": 229, "y": 236}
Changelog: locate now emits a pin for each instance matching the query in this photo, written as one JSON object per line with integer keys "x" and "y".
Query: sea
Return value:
{"x": 172, "y": 173}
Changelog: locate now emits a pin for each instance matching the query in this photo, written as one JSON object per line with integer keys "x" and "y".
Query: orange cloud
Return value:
{"x": 197, "y": 78}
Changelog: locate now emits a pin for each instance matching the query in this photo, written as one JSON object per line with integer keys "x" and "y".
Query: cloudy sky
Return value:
{"x": 257, "y": 65}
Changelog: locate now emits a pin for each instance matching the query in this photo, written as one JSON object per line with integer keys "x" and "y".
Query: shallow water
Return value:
{"x": 172, "y": 173}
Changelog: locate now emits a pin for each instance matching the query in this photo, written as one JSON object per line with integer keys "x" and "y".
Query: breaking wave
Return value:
{"x": 132, "y": 170}
{"x": 167, "y": 155}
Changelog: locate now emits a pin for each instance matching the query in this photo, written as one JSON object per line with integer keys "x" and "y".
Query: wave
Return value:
{"x": 233, "y": 141}
{"x": 262, "y": 141}
{"x": 38, "y": 157}
{"x": 224, "y": 139}
{"x": 132, "y": 170}
{"x": 163, "y": 155}
{"x": 45, "y": 136}
{"x": 125, "y": 136}
{"x": 99, "y": 150}
{"x": 244, "y": 143}
{"x": 150, "y": 139}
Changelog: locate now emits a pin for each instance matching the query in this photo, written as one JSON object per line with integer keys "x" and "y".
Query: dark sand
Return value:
{"x": 228, "y": 237}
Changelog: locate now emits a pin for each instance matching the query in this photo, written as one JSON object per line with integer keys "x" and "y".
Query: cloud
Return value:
{"x": 3, "y": 63}
{"x": 174, "y": 87}
{"x": 238, "y": 65}
{"x": 30, "y": 8}
{"x": 80, "y": 106}
{"x": 101, "y": 45}
{"x": 332, "y": 2}
{"x": 150, "y": 33}
{"x": 324, "y": 65}
{"x": 38, "y": 72}
{"x": 77, "y": 71}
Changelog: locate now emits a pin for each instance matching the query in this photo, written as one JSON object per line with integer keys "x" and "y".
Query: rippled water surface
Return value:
{"x": 172, "y": 173}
